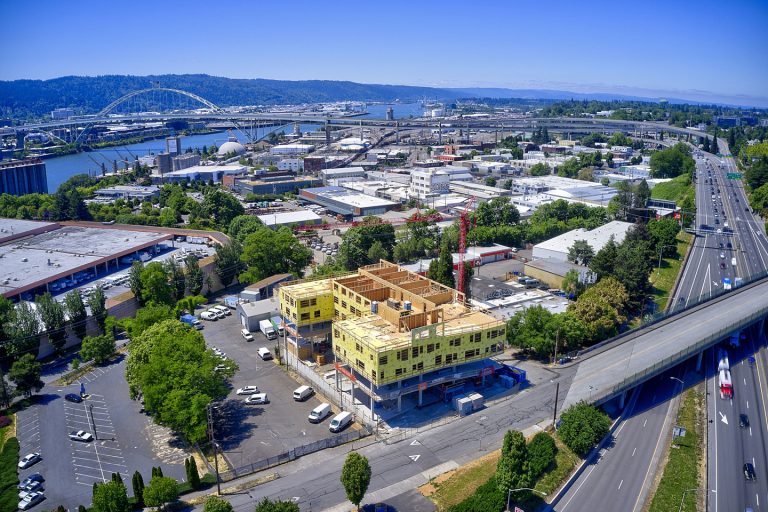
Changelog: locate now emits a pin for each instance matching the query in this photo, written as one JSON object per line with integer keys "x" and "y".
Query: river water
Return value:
{"x": 60, "y": 169}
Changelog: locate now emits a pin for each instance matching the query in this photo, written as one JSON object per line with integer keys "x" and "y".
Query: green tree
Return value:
{"x": 23, "y": 328}
{"x": 145, "y": 318}
{"x": 355, "y": 477}
{"x": 188, "y": 305}
{"x": 757, "y": 173}
{"x": 539, "y": 169}
{"x": 52, "y": 315}
{"x": 217, "y": 504}
{"x": 541, "y": 454}
{"x": 176, "y": 277}
{"x": 441, "y": 269}
{"x": 78, "y": 316}
{"x": 705, "y": 145}
{"x": 377, "y": 252}
{"x": 572, "y": 284}
{"x": 118, "y": 479}
{"x": 602, "y": 264}
{"x": 110, "y": 497}
{"x": 672, "y": 162}
{"x": 194, "y": 275}
{"x": 155, "y": 285}
{"x": 98, "y": 348}
{"x": 25, "y": 374}
{"x": 580, "y": 252}
{"x": 490, "y": 181}
{"x": 267, "y": 505}
{"x": 268, "y": 252}
{"x": 137, "y": 482}
{"x": 663, "y": 233}
{"x": 193, "y": 476}
{"x": 134, "y": 281}
{"x": 161, "y": 491}
{"x": 221, "y": 207}
{"x": 227, "y": 262}
{"x": 582, "y": 426}
{"x": 97, "y": 301}
{"x": 512, "y": 470}
{"x": 499, "y": 211}
{"x": 353, "y": 251}
{"x": 243, "y": 225}
{"x": 715, "y": 148}
{"x": 162, "y": 363}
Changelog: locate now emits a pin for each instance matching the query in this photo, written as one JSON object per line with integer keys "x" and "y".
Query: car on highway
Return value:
{"x": 73, "y": 397}
{"x": 743, "y": 420}
{"x": 30, "y": 500}
{"x": 722, "y": 264}
{"x": 34, "y": 477}
{"x": 729, "y": 245}
{"x": 722, "y": 255}
{"x": 257, "y": 398}
{"x": 81, "y": 435}
{"x": 749, "y": 471}
{"x": 248, "y": 390}
{"x": 29, "y": 460}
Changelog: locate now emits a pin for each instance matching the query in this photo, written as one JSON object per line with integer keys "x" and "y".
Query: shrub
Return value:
{"x": 487, "y": 498}
{"x": 9, "y": 476}
{"x": 582, "y": 426}
{"x": 4, "y": 421}
{"x": 541, "y": 454}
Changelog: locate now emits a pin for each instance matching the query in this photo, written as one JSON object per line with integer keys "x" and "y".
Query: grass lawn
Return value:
{"x": 682, "y": 469}
{"x": 674, "y": 190}
{"x": 664, "y": 279}
{"x": 455, "y": 486}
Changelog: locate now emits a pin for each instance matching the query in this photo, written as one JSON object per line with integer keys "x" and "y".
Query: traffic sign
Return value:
{"x": 733, "y": 175}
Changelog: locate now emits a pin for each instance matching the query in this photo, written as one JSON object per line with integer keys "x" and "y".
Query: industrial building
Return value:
{"x": 251, "y": 313}
{"x": 19, "y": 177}
{"x": 297, "y": 218}
{"x": 273, "y": 184}
{"x": 552, "y": 271}
{"x": 347, "y": 202}
{"x": 394, "y": 332}
{"x": 264, "y": 289}
{"x": 141, "y": 193}
{"x": 557, "y": 248}
{"x": 341, "y": 172}
{"x": 47, "y": 253}
{"x": 213, "y": 173}
{"x": 291, "y": 149}
{"x": 429, "y": 182}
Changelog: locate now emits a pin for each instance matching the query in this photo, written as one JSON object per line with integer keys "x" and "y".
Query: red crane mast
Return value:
{"x": 463, "y": 228}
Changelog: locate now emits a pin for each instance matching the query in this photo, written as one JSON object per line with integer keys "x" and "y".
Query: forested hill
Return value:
{"x": 32, "y": 98}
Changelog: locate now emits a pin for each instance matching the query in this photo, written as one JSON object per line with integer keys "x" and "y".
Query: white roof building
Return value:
{"x": 291, "y": 149}
{"x": 557, "y": 247}
{"x": 300, "y": 217}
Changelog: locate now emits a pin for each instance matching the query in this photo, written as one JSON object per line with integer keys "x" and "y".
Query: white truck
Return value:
{"x": 266, "y": 327}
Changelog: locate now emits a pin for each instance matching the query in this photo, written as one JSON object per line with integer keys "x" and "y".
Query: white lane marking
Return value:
{"x": 747, "y": 404}
{"x": 633, "y": 451}
{"x": 578, "y": 488}
{"x": 622, "y": 481}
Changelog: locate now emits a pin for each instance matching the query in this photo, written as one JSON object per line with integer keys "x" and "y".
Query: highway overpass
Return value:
{"x": 640, "y": 355}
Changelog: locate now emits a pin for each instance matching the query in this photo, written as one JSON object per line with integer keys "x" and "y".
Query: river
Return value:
{"x": 59, "y": 169}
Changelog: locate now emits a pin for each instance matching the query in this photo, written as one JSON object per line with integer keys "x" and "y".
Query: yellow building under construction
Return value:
{"x": 395, "y": 331}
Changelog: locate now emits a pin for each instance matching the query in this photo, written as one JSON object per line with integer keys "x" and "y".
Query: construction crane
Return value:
{"x": 463, "y": 228}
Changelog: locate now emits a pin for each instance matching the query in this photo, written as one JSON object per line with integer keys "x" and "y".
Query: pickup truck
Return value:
{"x": 81, "y": 435}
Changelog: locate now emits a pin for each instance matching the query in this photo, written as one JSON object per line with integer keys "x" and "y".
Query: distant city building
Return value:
{"x": 62, "y": 113}
{"x": 557, "y": 248}
{"x": 231, "y": 147}
{"x": 347, "y": 202}
{"x": 390, "y": 114}
{"x": 428, "y": 182}
{"x": 727, "y": 121}
{"x": 291, "y": 164}
{"x": 185, "y": 161}
{"x": 213, "y": 173}
{"x": 173, "y": 145}
{"x": 297, "y": 218}
{"x": 341, "y": 172}
{"x": 19, "y": 177}
{"x": 163, "y": 163}
{"x": 276, "y": 185}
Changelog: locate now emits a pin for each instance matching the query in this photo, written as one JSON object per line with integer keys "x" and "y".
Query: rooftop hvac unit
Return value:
{"x": 407, "y": 305}
{"x": 24, "y": 260}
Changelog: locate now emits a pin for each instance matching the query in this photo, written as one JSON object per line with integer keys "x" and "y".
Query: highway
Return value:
{"x": 730, "y": 445}
{"x": 624, "y": 470}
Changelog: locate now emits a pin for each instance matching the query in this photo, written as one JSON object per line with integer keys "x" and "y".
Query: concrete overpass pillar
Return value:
{"x": 420, "y": 393}
{"x": 399, "y": 400}
{"x": 699, "y": 359}
{"x": 622, "y": 399}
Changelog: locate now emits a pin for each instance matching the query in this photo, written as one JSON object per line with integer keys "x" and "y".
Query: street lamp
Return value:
{"x": 682, "y": 384}
{"x": 684, "y": 493}
{"x": 509, "y": 494}
{"x": 213, "y": 443}
{"x": 661, "y": 251}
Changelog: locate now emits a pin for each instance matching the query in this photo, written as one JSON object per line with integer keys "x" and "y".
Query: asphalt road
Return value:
{"x": 623, "y": 471}
{"x": 730, "y": 446}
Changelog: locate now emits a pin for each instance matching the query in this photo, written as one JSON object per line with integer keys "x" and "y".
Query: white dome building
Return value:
{"x": 231, "y": 146}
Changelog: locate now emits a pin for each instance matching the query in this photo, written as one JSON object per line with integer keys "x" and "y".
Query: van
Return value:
{"x": 265, "y": 354}
{"x": 319, "y": 413}
{"x": 302, "y": 393}
{"x": 340, "y": 421}
{"x": 246, "y": 335}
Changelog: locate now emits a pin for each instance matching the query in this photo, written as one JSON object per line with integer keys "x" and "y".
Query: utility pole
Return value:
{"x": 215, "y": 454}
{"x": 557, "y": 395}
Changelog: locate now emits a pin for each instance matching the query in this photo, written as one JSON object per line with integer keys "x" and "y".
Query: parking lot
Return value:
{"x": 248, "y": 433}
{"x": 125, "y": 440}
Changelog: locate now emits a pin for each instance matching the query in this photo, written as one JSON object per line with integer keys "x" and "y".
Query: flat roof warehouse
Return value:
{"x": 31, "y": 259}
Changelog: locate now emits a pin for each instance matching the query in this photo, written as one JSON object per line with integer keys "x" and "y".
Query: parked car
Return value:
{"x": 29, "y": 460}
{"x": 247, "y": 336}
{"x": 222, "y": 309}
{"x": 207, "y": 315}
{"x": 30, "y": 500}
{"x": 82, "y": 436}
{"x": 30, "y": 487}
{"x": 73, "y": 397}
{"x": 257, "y": 398}
{"x": 302, "y": 393}
{"x": 248, "y": 390}
{"x": 34, "y": 477}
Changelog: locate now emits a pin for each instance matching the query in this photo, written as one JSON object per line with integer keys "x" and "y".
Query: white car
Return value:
{"x": 30, "y": 488}
{"x": 222, "y": 309}
{"x": 246, "y": 335}
{"x": 207, "y": 315}
{"x": 258, "y": 398}
{"x": 29, "y": 460}
{"x": 30, "y": 500}
{"x": 218, "y": 314}
{"x": 248, "y": 390}
{"x": 82, "y": 436}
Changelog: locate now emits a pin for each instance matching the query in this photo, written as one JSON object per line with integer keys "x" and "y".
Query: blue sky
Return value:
{"x": 691, "y": 49}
